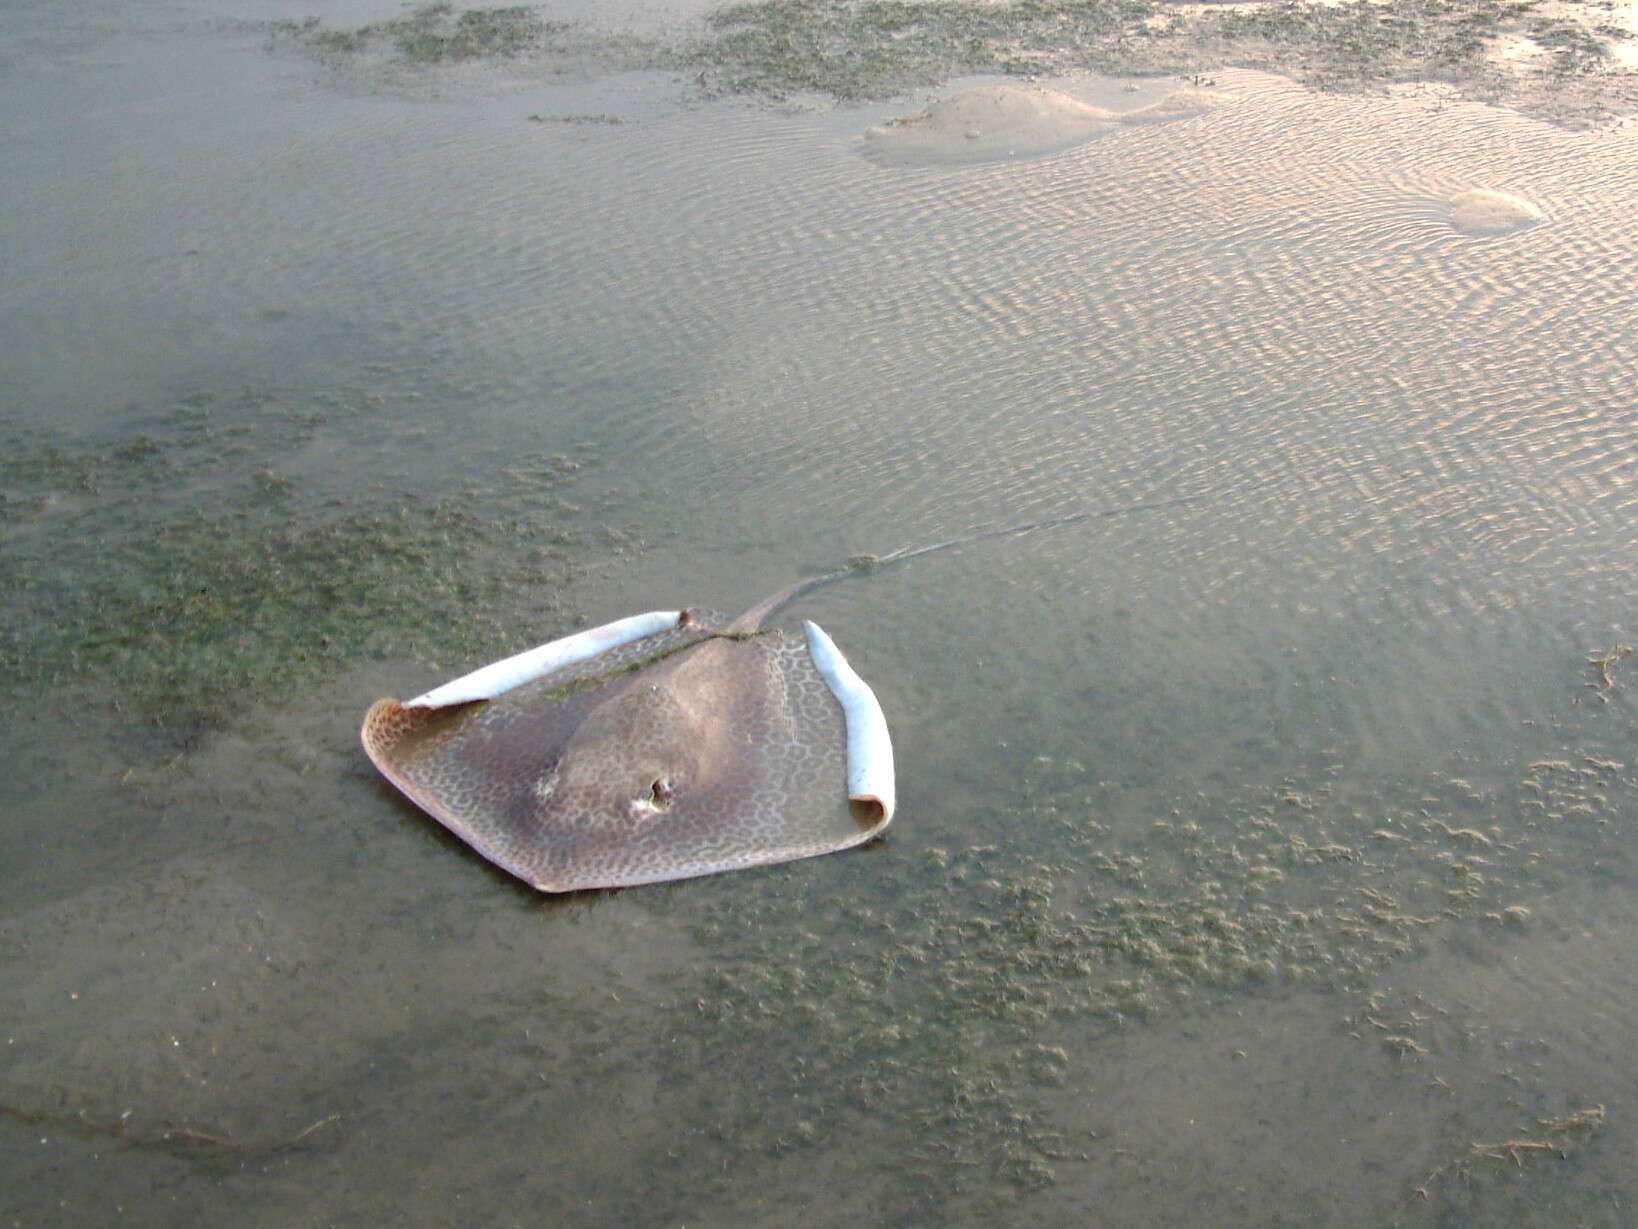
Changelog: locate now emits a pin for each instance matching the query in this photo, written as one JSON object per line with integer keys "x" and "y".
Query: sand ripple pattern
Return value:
{"x": 1407, "y": 426}
{"x": 782, "y": 344}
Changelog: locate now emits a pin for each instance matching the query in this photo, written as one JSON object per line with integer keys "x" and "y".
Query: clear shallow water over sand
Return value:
{"x": 1256, "y": 857}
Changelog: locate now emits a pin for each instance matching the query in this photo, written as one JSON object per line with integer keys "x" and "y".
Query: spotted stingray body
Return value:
{"x": 632, "y": 755}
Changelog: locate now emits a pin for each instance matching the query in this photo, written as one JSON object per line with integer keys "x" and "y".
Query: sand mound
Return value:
{"x": 1012, "y": 121}
{"x": 1481, "y": 211}
{"x": 1179, "y": 104}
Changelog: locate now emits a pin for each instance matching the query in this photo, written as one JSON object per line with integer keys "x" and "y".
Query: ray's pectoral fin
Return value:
{"x": 871, "y": 788}
{"x": 502, "y": 676}
{"x": 480, "y": 753}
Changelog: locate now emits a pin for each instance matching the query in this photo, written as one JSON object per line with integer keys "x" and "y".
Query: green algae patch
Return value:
{"x": 1357, "y": 44}
{"x": 936, "y": 994}
{"x": 854, "y": 51}
{"x": 859, "y": 50}
{"x": 182, "y": 575}
{"x": 438, "y": 38}
{"x": 438, "y": 34}
{"x": 876, "y": 48}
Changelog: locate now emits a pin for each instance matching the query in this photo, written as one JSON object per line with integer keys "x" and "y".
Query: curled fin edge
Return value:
{"x": 870, "y": 783}
{"x": 487, "y": 682}
{"x": 379, "y": 738}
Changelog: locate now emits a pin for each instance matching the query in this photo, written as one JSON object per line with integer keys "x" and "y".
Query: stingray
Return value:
{"x": 661, "y": 746}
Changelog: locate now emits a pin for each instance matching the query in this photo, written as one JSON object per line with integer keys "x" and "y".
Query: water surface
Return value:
{"x": 1256, "y": 858}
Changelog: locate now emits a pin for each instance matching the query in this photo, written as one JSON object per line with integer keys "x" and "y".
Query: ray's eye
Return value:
{"x": 654, "y": 800}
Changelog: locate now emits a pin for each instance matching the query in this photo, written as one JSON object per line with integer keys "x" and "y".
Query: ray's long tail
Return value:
{"x": 753, "y": 618}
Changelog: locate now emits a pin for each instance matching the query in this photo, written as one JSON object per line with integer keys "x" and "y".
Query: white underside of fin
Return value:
{"x": 869, "y": 749}
{"x": 490, "y": 681}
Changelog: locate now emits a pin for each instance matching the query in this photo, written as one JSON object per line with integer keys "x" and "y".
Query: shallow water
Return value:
{"x": 1257, "y": 856}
